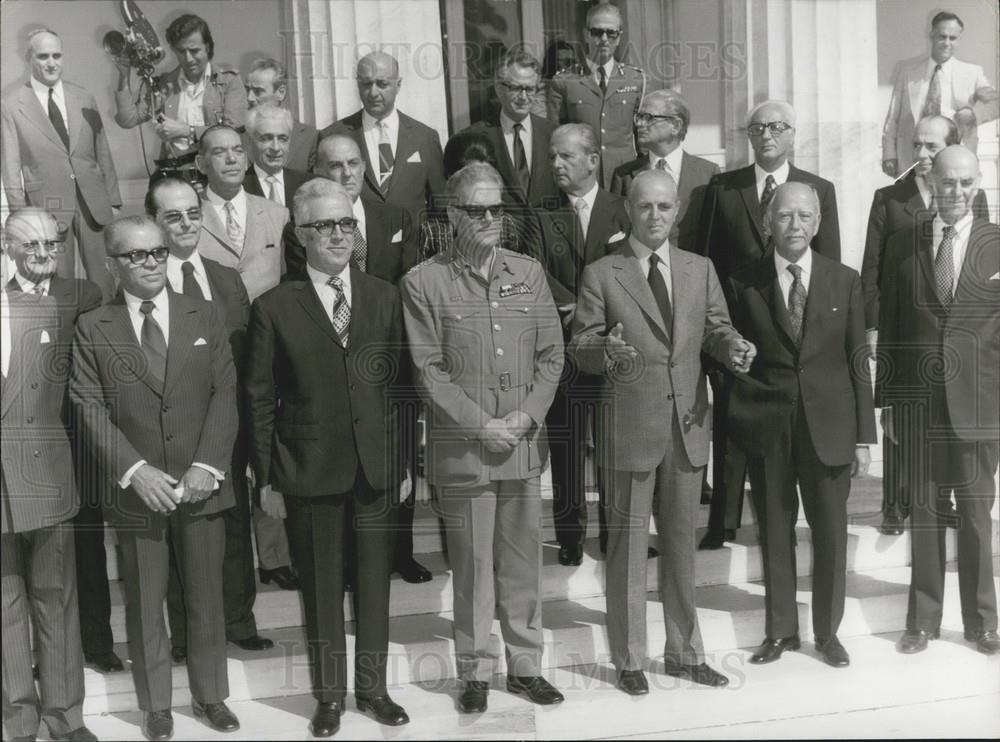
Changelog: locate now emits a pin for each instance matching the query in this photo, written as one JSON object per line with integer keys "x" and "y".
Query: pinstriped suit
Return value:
{"x": 192, "y": 419}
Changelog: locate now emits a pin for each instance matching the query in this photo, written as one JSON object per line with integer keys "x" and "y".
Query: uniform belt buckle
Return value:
{"x": 505, "y": 381}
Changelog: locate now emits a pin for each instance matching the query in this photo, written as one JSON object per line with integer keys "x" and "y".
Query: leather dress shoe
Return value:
{"x": 109, "y": 662}
{"x": 987, "y": 642}
{"x": 384, "y": 709}
{"x": 80, "y": 734}
{"x": 571, "y": 556}
{"x": 651, "y": 552}
{"x": 157, "y": 725}
{"x": 536, "y": 688}
{"x": 713, "y": 540}
{"x": 701, "y": 674}
{"x": 915, "y": 640}
{"x": 326, "y": 720}
{"x": 178, "y": 654}
{"x": 283, "y": 577}
{"x": 216, "y": 715}
{"x": 255, "y": 643}
{"x": 473, "y": 697}
{"x": 770, "y": 649}
{"x": 412, "y": 571}
{"x": 834, "y": 653}
{"x": 633, "y": 682}
{"x": 892, "y": 525}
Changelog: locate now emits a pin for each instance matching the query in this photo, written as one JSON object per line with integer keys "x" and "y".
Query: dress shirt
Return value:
{"x": 191, "y": 106}
{"x": 359, "y": 213}
{"x": 760, "y": 174}
{"x": 58, "y": 95}
{"x": 963, "y": 227}
{"x": 5, "y": 336}
{"x": 373, "y": 135}
{"x": 327, "y": 296}
{"x": 609, "y": 67}
{"x": 239, "y": 205}
{"x": 785, "y": 276}
{"x": 28, "y": 286}
{"x": 508, "y": 137}
{"x": 279, "y": 183}
{"x": 588, "y": 199}
{"x": 674, "y": 161}
{"x": 175, "y": 274}
{"x": 663, "y": 251}
{"x": 925, "y": 191}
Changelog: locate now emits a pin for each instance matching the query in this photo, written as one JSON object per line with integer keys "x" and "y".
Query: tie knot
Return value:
{"x": 949, "y": 230}
{"x": 661, "y": 164}
{"x": 187, "y": 268}
{"x": 796, "y": 271}
{"x": 336, "y": 282}
{"x": 51, "y": 92}
{"x": 228, "y": 206}
{"x": 147, "y": 307}
{"x": 937, "y": 68}
{"x": 654, "y": 259}
{"x": 579, "y": 205}
{"x": 769, "y": 181}
{"x": 518, "y": 127}
{"x": 38, "y": 290}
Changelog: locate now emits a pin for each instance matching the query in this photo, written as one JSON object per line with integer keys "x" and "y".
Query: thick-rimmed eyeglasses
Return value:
{"x": 324, "y": 227}
{"x": 477, "y": 212}
{"x": 777, "y": 128}
{"x": 516, "y": 90}
{"x": 645, "y": 119}
{"x": 173, "y": 218}
{"x": 56, "y": 246}
{"x": 611, "y": 33}
{"x": 139, "y": 257}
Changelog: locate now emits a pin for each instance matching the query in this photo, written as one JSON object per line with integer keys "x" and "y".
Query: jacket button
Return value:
{"x": 499, "y": 351}
{"x": 670, "y": 396}
{"x": 34, "y": 385}
{"x": 170, "y": 436}
{"x": 357, "y": 420}
{"x": 165, "y": 408}
{"x": 29, "y": 419}
{"x": 36, "y": 454}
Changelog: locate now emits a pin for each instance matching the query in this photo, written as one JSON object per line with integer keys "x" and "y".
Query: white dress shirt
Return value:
{"x": 760, "y": 175}
{"x": 373, "y": 135}
{"x": 785, "y": 277}
{"x": 58, "y": 95}
{"x": 358, "y": 208}
{"x": 327, "y": 296}
{"x": 279, "y": 183}
{"x": 608, "y": 66}
{"x": 663, "y": 252}
{"x": 5, "y": 336}
{"x": 925, "y": 191}
{"x": 28, "y": 286}
{"x": 587, "y": 210}
{"x": 508, "y": 137}
{"x": 674, "y": 161}
{"x": 175, "y": 274}
{"x": 239, "y": 207}
{"x": 963, "y": 228}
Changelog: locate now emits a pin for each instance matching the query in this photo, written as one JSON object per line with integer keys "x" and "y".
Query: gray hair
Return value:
{"x": 114, "y": 232}
{"x": 268, "y": 110}
{"x": 280, "y": 75}
{"x": 470, "y": 176}
{"x": 786, "y": 186}
{"x": 786, "y": 110}
{"x": 675, "y": 101}
{"x": 313, "y": 190}
{"x": 23, "y": 214}
{"x": 585, "y": 133}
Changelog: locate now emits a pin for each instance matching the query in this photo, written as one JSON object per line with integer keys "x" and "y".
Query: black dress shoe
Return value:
{"x": 987, "y": 642}
{"x": 701, "y": 674}
{"x": 178, "y": 654}
{"x": 633, "y": 682}
{"x": 770, "y": 649}
{"x": 412, "y": 571}
{"x": 255, "y": 643}
{"x": 711, "y": 541}
{"x": 216, "y": 715}
{"x": 571, "y": 556}
{"x": 283, "y": 577}
{"x": 892, "y": 525}
{"x": 915, "y": 640}
{"x": 833, "y": 652}
{"x": 80, "y": 734}
{"x": 536, "y": 688}
{"x": 157, "y": 725}
{"x": 384, "y": 709}
{"x": 109, "y": 662}
{"x": 651, "y": 552}
{"x": 326, "y": 720}
{"x": 473, "y": 697}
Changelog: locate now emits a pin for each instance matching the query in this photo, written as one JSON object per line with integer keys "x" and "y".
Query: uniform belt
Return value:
{"x": 504, "y": 385}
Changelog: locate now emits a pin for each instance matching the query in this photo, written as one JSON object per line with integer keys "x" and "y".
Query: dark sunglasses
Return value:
{"x": 474, "y": 211}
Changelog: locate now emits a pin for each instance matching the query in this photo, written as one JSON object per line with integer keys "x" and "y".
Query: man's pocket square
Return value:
{"x": 45, "y": 337}
{"x": 616, "y": 237}
{"x": 995, "y": 276}
{"x": 200, "y": 341}
{"x": 415, "y": 157}
{"x": 398, "y": 237}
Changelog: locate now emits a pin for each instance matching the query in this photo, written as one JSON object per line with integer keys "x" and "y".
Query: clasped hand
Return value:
{"x": 741, "y": 355}
{"x": 501, "y": 435}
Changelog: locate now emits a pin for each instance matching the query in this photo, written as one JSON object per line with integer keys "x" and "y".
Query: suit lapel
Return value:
{"x": 629, "y": 276}
{"x": 377, "y": 237}
{"x": 539, "y": 155}
{"x": 116, "y": 326}
{"x": 770, "y": 291}
{"x": 914, "y": 203}
{"x": 255, "y": 186}
{"x": 682, "y": 287}
{"x": 357, "y": 127}
{"x": 817, "y": 299}
{"x": 748, "y": 191}
{"x": 183, "y": 323}
{"x": 925, "y": 259}
{"x": 211, "y": 224}
{"x": 504, "y": 164}
{"x": 313, "y": 307}
{"x": 74, "y": 106}
{"x": 38, "y": 115}
{"x": 600, "y": 217}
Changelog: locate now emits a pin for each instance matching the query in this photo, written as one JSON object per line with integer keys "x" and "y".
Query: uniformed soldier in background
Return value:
{"x": 487, "y": 347}
{"x": 604, "y": 93}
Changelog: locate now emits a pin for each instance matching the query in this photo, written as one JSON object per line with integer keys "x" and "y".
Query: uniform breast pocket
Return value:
{"x": 462, "y": 328}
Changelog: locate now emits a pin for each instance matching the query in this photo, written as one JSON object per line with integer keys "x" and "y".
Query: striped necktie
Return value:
{"x": 386, "y": 161}
{"x": 341, "y": 310}
{"x": 233, "y": 229}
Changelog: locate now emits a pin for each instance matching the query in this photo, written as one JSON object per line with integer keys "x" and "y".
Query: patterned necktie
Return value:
{"x": 360, "y": 252}
{"x": 765, "y": 198}
{"x": 38, "y": 290}
{"x": 661, "y": 164}
{"x": 341, "y": 310}
{"x": 580, "y": 206}
{"x": 602, "y": 78}
{"x": 273, "y": 192}
{"x": 520, "y": 158}
{"x": 660, "y": 293}
{"x": 386, "y": 161}
{"x": 154, "y": 345}
{"x": 233, "y": 229}
{"x": 55, "y": 116}
{"x": 189, "y": 286}
{"x": 932, "y": 105}
{"x": 944, "y": 266}
{"x": 796, "y": 302}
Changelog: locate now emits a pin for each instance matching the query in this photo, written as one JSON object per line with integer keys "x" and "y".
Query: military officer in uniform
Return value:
{"x": 487, "y": 348}
{"x": 603, "y": 93}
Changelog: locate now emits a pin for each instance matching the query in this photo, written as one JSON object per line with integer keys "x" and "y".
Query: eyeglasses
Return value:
{"x": 56, "y": 246}
{"x": 173, "y": 218}
{"x": 611, "y": 33}
{"x": 777, "y": 128}
{"x": 139, "y": 257}
{"x": 516, "y": 90}
{"x": 324, "y": 227}
{"x": 477, "y": 212}
{"x": 645, "y": 119}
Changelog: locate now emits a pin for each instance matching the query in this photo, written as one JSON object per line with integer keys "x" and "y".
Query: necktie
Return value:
{"x": 233, "y": 229}
{"x": 944, "y": 266}
{"x": 660, "y": 293}
{"x": 190, "y": 285}
{"x": 932, "y": 105}
{"x": 520, "y": 159}
{"x": 602, "y": 78}
{"x": 38, "y": 290}
{"x": 661, "y": 164}
{"x": 55, "y": 116}
{"x": 154, "y": 345}
{"x": 360, "y": 252}
{"x": 796, "y": 302}
{"x": 582, "y": 213}
{"x": 273, "y": 192}
{"x": 341, "y": 310}
{"x": 386, "y": 161}
{"x": 765, "y": 198}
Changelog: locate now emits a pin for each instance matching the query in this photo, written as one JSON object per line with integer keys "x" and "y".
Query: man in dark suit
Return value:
{"x": 174, "y": 204}
{"x": 661, "y": 126}
{"x": 731, "y": 233}
{"x": 155, "y": 392}
{"x": 939, "y": 324}
{"x": 583, "y": 225}
{"x": 55, "y": 155}
{"x": 37, "y": 485}
{"x": 803, "y": 415}
{"x": 267, "y": 83}
{"x": 269, "y": 136}
{"x": 402, "y": 156}
{"x": 325, "y": 445}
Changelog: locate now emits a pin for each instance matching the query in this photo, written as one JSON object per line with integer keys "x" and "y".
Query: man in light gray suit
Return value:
{"x": 652, "y": 428}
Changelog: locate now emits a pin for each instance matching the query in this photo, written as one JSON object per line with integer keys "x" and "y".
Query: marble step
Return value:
{"x": 421, "y": 648}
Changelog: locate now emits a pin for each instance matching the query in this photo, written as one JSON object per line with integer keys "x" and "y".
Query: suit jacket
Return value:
{"x": 731, "y": 232}
{"x": 917, "y": 335}
{"x": 894, "y": 208}
{"x": 302, "y": 151}
{"x": 32, "y": 152}
{"x": 260, "y": 260}
{"x": 696, "y": 173}
{"x": 38, "y": 486}
{"x": 828, "y": 371}
{"x": 541, "y": 185}
{"x": 390, "y": 237}
{"x": 293, "y": 179}
{"x": 417, "y": 172}
{"x": 125, "y": 418}
{"x": 319, "y": 411}
{"x": 911, "y": 81}
{"x": 635, "y": 428}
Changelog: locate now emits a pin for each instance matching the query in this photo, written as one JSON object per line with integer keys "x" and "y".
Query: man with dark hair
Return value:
{"x": 267, "y": 82}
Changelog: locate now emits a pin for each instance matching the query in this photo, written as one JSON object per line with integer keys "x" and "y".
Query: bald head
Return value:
{"x": 378, "y": 83}
{"x": 45, "y": 56}
{"x": 32, "y": 240}
{"x": 792, "y": 219}
{"x": 955, "y": 178}
{"x": 652, "y": 207}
